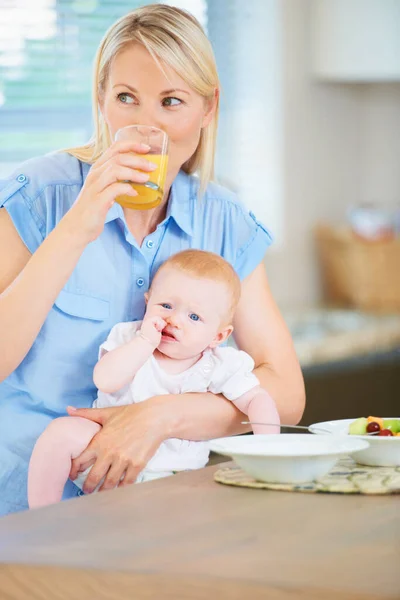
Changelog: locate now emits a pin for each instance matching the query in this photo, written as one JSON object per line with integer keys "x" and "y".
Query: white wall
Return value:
{"x": 380, "y": 113}
{"x": 341, "y": 146}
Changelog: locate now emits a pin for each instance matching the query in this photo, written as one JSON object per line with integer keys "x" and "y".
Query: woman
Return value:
{"x": 71, "y": 260}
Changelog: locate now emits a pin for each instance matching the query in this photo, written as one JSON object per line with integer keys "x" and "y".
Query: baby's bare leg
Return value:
{"x": 64, "y": 439}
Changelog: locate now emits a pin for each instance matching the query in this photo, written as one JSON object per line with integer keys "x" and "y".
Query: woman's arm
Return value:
{"x": 260, "y": 330}
{"x": 29, "y": 284}
{"x": 131, "y": 434}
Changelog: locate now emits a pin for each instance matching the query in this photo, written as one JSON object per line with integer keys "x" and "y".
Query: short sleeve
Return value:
{"x": 40, "y": 193}
{"x": 232, "y": 375}
{"x": 120, "y": 334}
{"x": 253, "y": 241}
{"x": 21, "y": 207}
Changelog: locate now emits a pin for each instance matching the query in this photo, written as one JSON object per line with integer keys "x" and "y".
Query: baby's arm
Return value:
{"x": 118, "y": 367}
{"x": 63, "y": 440}
{"x": 258, "y": 405}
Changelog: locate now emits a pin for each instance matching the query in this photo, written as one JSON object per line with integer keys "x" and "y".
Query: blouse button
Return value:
{"x": 149, "y": 243}
{"x": 21, "y": 178}
{"x": 140, "y": 281}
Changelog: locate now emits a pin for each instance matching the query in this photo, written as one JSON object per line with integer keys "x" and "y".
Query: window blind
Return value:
{"x": 47, "y": 49}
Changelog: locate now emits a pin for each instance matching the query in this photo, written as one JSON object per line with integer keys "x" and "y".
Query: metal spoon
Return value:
{"x": 283, "y": 425}
{"x": 303, "y": 427}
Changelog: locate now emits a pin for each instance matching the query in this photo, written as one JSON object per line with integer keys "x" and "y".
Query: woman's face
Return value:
{"x": 138, "y": 93}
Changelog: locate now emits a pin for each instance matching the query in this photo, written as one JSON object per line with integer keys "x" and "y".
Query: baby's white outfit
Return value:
{"x": 223, "y": 370}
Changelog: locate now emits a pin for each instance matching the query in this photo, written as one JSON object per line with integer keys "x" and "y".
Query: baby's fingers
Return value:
{"x": 160, "y": 324}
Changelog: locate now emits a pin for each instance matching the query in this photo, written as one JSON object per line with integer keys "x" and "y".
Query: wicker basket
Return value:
{"x": 358, "y": 272}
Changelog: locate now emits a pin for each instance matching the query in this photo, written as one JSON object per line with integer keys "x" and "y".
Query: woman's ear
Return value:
{"x": 211, "y": 106}
{"x": 221, "y": 336}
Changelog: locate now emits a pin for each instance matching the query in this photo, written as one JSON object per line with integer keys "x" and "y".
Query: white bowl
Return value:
{"x": 286, "y": 458}
{"x": 382, "y": 451}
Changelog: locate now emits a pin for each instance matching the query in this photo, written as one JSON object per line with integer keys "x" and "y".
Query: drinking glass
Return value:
{"x": 150, "y": 194}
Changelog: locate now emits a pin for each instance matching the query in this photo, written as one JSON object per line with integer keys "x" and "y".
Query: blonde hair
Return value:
{"x": 175, "y": 37}
{"x": 207, "y": 265}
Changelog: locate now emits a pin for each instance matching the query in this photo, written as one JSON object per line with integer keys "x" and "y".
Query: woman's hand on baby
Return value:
{"x": 129, "y": 437}
{"x": 107, "y": 179}
{"x": 152, "y": 328}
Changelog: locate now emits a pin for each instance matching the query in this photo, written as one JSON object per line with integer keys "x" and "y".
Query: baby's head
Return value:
{"x": 196, "y": 293}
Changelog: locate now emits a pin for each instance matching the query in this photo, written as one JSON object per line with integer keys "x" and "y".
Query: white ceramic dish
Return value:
{"x": 382, "y": 451}
{"x": 286, "y": 457}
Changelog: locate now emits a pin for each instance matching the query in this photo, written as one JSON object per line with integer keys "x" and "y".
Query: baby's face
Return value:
{"x": 195, "y": 311}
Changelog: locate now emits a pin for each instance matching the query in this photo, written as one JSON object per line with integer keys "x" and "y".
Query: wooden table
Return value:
{"x": 187, "y": 537}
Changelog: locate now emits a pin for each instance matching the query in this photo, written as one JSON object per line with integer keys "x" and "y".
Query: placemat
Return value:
{"x": 346, "y": 477}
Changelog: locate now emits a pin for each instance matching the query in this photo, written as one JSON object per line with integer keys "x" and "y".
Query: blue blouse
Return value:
{"x": 106, "y": 287}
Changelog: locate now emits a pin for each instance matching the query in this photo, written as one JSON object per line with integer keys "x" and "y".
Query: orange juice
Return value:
{"x": 150, "y": 194}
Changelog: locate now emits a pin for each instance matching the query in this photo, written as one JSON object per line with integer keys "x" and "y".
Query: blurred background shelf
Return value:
{"x": 350, "y": 361}
{"x": 361, "y": 386}
{"x": 324, "y": 335}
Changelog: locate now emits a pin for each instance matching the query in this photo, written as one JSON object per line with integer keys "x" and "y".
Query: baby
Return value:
{"x": 175, "y": 349}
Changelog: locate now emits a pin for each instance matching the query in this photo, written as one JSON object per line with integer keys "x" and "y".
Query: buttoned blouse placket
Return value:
{"x": 141, "y": 266}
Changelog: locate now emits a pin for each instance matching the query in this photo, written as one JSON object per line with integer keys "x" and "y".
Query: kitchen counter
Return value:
{"x": 350, "y": 362}
{"x": 330, "y": 335}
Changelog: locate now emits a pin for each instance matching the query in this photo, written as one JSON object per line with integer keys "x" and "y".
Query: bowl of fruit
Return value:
{"x": 383, "y": 435}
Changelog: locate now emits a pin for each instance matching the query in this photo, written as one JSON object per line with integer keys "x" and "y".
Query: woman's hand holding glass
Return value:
{"x": 106, "y": 180}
